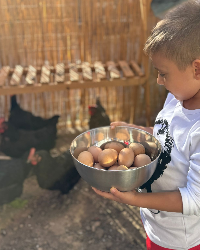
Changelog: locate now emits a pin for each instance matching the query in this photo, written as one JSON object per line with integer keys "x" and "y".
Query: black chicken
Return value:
{"x": 98, "y": 116}
{"x": 58, "y": 173}
{"x": 12, "y": 175}
{"x": 15, "y": 142}
{"x": 22, "y": 119}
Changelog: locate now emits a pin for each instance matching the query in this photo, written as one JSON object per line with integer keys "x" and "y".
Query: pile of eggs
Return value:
{"x": 113, "y": 155}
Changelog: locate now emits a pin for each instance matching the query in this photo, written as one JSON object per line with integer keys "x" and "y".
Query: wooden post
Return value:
{"x": 145, "y": 6}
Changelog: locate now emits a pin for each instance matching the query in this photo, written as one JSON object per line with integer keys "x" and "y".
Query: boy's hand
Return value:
{"x": 116, "y": 195}
{"x": 119, "y": 123}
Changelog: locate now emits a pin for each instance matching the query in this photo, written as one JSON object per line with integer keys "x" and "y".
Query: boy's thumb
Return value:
{"x": 115, "y": 192}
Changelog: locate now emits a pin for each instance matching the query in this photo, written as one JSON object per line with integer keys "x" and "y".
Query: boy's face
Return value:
{"x": 184, "y": 85}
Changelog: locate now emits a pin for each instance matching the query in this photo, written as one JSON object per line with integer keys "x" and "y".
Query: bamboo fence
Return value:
{"x": 48, "y": 32}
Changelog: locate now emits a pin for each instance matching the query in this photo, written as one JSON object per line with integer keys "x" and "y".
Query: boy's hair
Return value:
{"x": 177, "y": 36}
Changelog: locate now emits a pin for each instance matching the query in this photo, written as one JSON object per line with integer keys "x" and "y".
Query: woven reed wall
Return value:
{"x": 35, "y": 32}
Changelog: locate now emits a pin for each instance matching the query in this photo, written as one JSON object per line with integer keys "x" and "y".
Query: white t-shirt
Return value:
{"x": 178, "y": 130}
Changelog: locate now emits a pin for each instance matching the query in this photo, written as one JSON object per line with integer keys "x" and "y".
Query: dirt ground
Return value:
{"x": 80, "y": 220}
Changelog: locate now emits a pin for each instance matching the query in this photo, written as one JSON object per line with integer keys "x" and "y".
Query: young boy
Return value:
{"x": 171, "y": 212}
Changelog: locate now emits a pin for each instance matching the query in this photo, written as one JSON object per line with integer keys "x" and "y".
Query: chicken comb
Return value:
{"x": 2, "y": 119}
{"x": 92, "y": 106}
{"x": 92, "y": 109}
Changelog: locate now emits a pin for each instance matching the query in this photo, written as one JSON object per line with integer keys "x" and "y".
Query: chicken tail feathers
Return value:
{"x": 14, "y": 103}
{"x": 53, "y": 120}
{"x": 99, "y": 106}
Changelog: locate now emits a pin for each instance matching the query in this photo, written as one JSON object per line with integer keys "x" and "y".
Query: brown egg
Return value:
{"x": 137, "y": 148}
{"x": 86, "y": 158}
{"x": 114, "y": 145}
{"x": 104, "y": 144}
{"x": 122, "y": 167}
{"x": 141, "y": 160}
{"x": 146, "y": 145}
{"x": 95, "y": 151}
{"x": 150, "y": 148}
{"x": 116, "y": 163}
{"x": 98, "y": 166}
{"x": 78, "y": 150}
{"x": 107, "y": 157}
{"x": 132, "y": 167}
{"x": 114, "y": 167}
{"x": 126, "y": 157}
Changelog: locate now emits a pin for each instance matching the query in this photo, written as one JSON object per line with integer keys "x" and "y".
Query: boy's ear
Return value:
{"x": 196, "y": 67}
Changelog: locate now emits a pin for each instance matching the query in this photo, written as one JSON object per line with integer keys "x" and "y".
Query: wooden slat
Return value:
{"x": 31, "y": 75}
{"x": 136, "y": 68}
{"x": 126, "y": 69}
{"x": 45, "y": 74}
{"x": 95, "y": 78}
{"x": 113, "y": 71}
{"x": 87, "y": 71}
{"x": 17, "y": 74}
{"x": 73, "y": 72}
{"x": 3, "y": 75}
{"x": 72, "y": 85}
{"x": 100, "y": 70}
{"x": 60, "y": 72}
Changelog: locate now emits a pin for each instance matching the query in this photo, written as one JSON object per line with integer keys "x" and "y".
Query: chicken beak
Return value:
{"x": 31, "y": 155}
{"x": 28, "y": 161}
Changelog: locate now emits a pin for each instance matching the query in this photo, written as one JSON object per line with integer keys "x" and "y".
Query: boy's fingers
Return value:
{"x": 122, "y": 196}
{"x": 113, "y": 124}
{"x": 118, "y": 123}
{"x": 104, "y": 194}
{"x": 116, "y": 193}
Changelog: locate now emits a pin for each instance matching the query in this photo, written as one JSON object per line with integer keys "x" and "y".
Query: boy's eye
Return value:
{"x": 162, "y": 75}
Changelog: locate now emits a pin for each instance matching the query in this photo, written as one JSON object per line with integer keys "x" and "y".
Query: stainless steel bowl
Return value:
{"x": 123, "y": 180}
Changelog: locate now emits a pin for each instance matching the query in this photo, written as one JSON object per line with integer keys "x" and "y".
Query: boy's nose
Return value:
{"x": 159, "y": 81}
